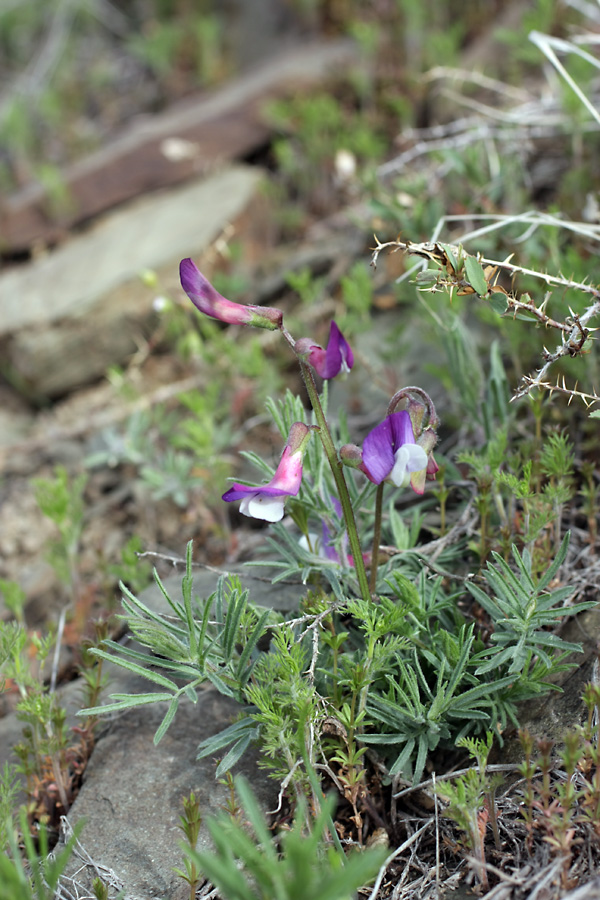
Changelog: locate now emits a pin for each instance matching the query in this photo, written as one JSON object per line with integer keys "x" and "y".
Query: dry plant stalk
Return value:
{"x": 457, "y": 274}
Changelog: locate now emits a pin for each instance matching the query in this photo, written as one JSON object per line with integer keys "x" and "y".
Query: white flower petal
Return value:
{"x": 398, "y": 474}
{"x": 417, "y": 458}
{"x": 311, "y": 543}
{"x": 263, "y": 506}
{"x": 408, "y": 458}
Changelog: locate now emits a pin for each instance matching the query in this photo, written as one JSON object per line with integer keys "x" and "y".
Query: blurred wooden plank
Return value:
{"x": 157, "y": 151}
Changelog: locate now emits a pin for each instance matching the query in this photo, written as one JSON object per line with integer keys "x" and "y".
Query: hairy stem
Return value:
{"x": 340, "y": 481}
{"x": 376, "y": 538}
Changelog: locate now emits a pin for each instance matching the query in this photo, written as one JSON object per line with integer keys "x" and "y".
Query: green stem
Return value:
{"x": 352, "y": 725}
{"x": 364, "y": 692}
{"x": 376, "y": 538}
{"x": 334, "y": 673}
{"x": 340, "y": 481}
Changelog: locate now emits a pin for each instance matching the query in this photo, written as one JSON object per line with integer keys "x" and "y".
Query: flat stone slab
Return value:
{"x": 132, "y": 796}
{"x": 188, "y": 139}
{"x": 146, "y": 234}
{"x": 75, "y": 311}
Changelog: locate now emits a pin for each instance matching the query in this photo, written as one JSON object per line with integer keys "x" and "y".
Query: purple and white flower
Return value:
{"x": 210, "y": 302}
{"x": 336, "y": 358}
{"x": 323, "y": 545}
{"x": 267, "y": 501}
{"x": 390, "y": 453}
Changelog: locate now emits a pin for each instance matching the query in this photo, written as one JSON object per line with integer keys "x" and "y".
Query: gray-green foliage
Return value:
{"x": 44, "y": 734}
{"x": 36, "y": 876}
{"x": 14, "y": 598}
{"x": 521, "y": 609}
{"x": 449, "y": 685}
{"x": 173, "y": 478}
{"x": 249, "y": 866}
{"x": 61, "y": 499}
{"x": 213, "y": 639}
{"x": 135, "y": 572}
{"x": 407, "y": 673}
{"x": 176, "y": 452}
{"x": 465, "y": 794}
{"x": 9, "y": 791}
{"x": 283, "y": 697}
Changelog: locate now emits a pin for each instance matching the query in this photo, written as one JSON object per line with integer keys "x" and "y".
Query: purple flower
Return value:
{"x": 328, "y": 363}
{"x": 390, "y": 453}
{"x": 328, "y": 534}
{"x": 323, "y": 545}
{"x": 267, "y": 501}
{"x": 208, "y": 300}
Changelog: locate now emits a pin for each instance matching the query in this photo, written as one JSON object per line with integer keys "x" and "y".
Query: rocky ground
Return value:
{"x": 78, "y": 308}
{"x": 68, "y": 315}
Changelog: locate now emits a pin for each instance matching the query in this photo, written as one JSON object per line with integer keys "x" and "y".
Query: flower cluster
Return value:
{"x": 391, "y": 452}
{"x": 336, "y": 358}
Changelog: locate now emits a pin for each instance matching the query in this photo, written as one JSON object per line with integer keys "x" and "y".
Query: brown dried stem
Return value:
{"x": 574, "y": 329}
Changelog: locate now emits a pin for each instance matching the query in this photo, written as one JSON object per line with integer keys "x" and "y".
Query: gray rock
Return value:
{"x": 16, "y": 418}
{"x": 187, "y": 139}
{"x": 69, "y": 315}
{"x": 131, "y": 799}
{"x": 132, "y": 794}
{"x": 282, "y": 596}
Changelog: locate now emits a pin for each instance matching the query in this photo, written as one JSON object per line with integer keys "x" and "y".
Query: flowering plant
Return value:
{"x": 380, "y": 653}
{"x": 399, "y": 450}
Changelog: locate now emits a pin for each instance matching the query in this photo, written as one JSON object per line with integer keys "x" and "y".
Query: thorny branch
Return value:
{"x": 453, "y": 276}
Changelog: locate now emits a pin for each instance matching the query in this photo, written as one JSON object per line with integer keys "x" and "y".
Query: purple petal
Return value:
{"x": 344, "y": 347}
{"x": 210, "y": 302}
{"x": 402, "y": 430}
{"x": 381, "y": 444}
{"x": 338, "y": 354}
{"x": 288, "y": 476}
{"x": 207, "y": 299}
{"x": 378, "y": 451}
{"x": 239, "y": 491}
{"x": 318, "y": 360}
{"x": 337, "y": 506}
{"x": 285, "y": 482}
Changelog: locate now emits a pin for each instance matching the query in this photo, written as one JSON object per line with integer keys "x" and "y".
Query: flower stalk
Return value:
{"x": 376, "y": 537}
{"x": 338, "y": 475}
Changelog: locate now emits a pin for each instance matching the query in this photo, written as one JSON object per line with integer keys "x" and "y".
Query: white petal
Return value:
{"x": 311, "y": 543}
{"x": 408, "y": 458}
{"x": 417, "y": 458}
{"x": 263, "y": 506}
{"x": 398, "y": 474}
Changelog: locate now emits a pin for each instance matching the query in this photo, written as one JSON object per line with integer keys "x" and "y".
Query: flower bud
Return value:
{"x": 210, "y": 302}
